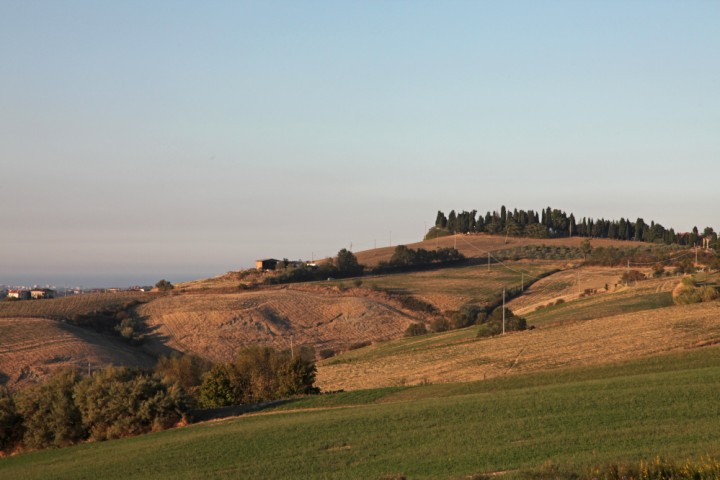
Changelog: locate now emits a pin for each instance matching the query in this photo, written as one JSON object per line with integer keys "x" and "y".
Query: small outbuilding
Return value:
{"x": 266, "y": 264}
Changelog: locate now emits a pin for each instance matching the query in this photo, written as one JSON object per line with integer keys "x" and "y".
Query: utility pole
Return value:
{"x": 503, "y": 310}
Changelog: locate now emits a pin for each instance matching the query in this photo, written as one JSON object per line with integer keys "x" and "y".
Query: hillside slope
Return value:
{"x": 459, "y": 357}
{"x": 216, "y": 326}
{"x": 31, "y": 348}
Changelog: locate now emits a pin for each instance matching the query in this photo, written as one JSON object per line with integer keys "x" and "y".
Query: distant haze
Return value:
{"x": 182, "y": 139}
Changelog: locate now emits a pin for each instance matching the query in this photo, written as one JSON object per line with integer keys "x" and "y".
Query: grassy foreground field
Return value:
{"x": 572, "y": 418}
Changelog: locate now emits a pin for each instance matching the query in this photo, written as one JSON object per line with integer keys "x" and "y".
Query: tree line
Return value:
{"x": 346, "y": 265}
{"x": 553, "y": 223}
{"x": 117, "y": 402}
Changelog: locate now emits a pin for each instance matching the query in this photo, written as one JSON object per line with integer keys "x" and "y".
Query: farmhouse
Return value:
{"x": 266, "y": 264}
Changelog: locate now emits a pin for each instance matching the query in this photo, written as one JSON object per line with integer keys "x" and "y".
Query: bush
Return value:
{"x": 357, "y": 345}
{"x": 415, "y": 304}
{"x": 164, "y": 286}
{"x": 357, "y": 283}
{"x": 119, "y": 402}
{"x": 439, "y": 324}
{"x": 468, "y": 315}
{"x": 493, "y": 325}
{"x": 489, "y": 330}
{"x": 326, "y": 353}
{"x": 688, "y": 293}
{"x": 632, "y": 276}
{"x": 259, "y": 374}
{"x": 185, "y": 370}
{"x": 416, "y": 329}
{"x": 220, "y": 388}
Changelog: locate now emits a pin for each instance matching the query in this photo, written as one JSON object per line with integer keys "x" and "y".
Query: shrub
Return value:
{"x": 184, "y": 370}
{"x": 219, "y": 388}
{"x": 259, "y": 374}
{"x": 632, "y": 276}
{"x": 118, "y": 402}
{"x": 357, "y": 283}
{"x": 489, "y": 330}
{"x": 415, "y": 304}
{"x": 326, "y": 353}
{"x": 493, "y": 325}
{"x": 416, "y": 329}
{"x": 468, "y": 315}
{"x": 439, "y": 324}
{"x": 687, "y": 294}
{"x": 164, "y": 286}
{"x": 356, "y": 345}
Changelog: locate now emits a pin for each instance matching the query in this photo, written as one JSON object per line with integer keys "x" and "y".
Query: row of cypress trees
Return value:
{"x": 551, "y": 222}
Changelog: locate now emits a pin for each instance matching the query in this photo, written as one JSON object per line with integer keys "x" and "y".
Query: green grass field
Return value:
{"x": 573, "y": 418}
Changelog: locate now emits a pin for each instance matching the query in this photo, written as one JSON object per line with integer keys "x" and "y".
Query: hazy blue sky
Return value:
{"x": 183, "y": 139}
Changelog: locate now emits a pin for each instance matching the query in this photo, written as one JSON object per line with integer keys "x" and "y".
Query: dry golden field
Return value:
{"x": 216, "y": 326}
{"x": 572, "y": 283}
{"x": 31, "y": 348}
{"x": 459, "y": 359}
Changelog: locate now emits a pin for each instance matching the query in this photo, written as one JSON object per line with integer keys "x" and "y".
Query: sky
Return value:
{"x": 182, "y": 139}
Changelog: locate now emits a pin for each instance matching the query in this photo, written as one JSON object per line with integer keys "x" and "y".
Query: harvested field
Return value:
{"x": 31, "y": 348}
{"x": 215, "y": 326}
{"x": 599, "y": 341}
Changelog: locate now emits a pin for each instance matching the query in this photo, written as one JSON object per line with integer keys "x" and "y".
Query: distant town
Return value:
{"x": 36, "y": 292}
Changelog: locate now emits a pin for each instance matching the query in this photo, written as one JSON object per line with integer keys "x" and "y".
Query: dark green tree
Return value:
{"x": 50, "y": 416}
{"x": 220, "y": 387}
{"x": 347, "y": 264}
{"x": 164, "y": 286}
{"x": 10, "y": 421}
